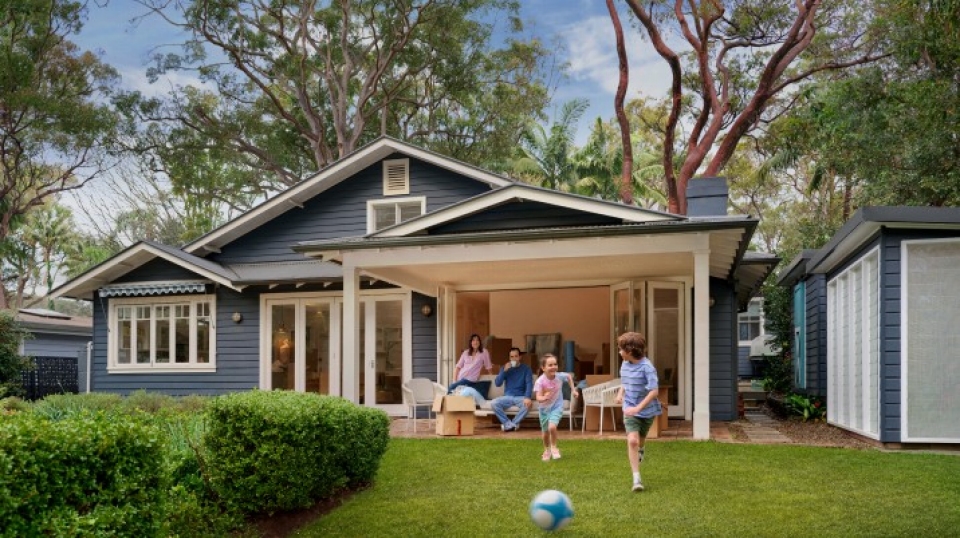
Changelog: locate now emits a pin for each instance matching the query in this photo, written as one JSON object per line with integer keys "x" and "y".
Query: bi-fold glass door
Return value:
{"x": 655, "y": 309}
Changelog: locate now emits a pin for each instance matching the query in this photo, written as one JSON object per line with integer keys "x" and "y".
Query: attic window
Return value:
{"x": 396, "y": 177}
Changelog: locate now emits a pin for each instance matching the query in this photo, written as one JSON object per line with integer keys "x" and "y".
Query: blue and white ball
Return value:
{"x": 551, "y": 510}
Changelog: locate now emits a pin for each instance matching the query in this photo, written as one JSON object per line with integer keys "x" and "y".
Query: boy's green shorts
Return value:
{"x": 637, "y": 424}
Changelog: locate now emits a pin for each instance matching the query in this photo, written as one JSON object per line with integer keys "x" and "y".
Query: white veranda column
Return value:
{"x": 701, "y": 346}
{"x": 351, "y": 363}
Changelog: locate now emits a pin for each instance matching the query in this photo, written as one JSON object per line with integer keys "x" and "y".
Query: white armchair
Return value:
{"x": 602, "y": 395}
{"x": 420, "y": 392}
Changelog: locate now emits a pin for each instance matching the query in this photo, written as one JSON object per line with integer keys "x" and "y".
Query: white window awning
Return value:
{"x": 153, "y": 288}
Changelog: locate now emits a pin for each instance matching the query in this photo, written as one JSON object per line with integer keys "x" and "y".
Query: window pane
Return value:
{"x": 126, "y": 334}
{"x": 384, "y": 215}
{"x": 143, "y": 334}
{"x": 162, "y": 340}
{"x": 181, "y": 344}
{"x": 203, "y": 332}
{"x": 409, "y": 210}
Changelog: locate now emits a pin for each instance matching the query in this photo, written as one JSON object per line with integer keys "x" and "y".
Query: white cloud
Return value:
{"x": 593, "y": 58}
{"x": 136, "y": 79}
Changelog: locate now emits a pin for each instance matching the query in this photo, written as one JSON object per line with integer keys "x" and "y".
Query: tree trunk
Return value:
{"x": 626, "y": 170}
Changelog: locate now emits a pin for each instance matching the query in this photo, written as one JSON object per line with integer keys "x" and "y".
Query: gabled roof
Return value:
{"x": 330, "y": 176}
{"x": 83, "y": 286}
{"x": 521, "y": 192}
{"x": 729, "y": 235}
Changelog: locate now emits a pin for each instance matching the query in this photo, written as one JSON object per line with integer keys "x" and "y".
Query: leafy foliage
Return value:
{"x": 12, "y": 364}
{"x": 86, "y": 475}
{"x": 268, "y": 451}
{"x": 54, "y": 128}
{"x": 307, "y": 83}
{"x": 806, "y": 407}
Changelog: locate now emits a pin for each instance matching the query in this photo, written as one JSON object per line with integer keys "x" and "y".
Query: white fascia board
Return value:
{"x": 131, "y": 259}
{"x": 329, "y": 177}
{"x": 527, "y": 250}
{"x": 515, "y": 191}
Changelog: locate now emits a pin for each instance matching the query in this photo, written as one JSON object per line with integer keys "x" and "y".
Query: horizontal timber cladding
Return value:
{"x": 341, "y": 211}
{"x": 816, "y": 313}
{"x": 723, "y": 351}
{"x": 55, "y": 345}
{"x": 238, "y": 365}
{"x": 424, "y": 338}
{"x": 523, "y": 215}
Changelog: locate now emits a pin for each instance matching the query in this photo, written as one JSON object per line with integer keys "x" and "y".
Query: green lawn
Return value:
{"x": 467, "y": 487}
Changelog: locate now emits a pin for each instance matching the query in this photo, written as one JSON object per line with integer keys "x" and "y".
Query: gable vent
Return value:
{"x": 396, "y": 177}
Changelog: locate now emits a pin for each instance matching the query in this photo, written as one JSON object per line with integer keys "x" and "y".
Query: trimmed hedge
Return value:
{"x": 270, "y": 451}
{"x": 84, "y": 475}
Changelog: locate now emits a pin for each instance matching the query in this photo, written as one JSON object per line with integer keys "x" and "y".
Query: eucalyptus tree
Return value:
{"x": 734, "y": 66}
{"x": 290, "y": 86}
{"x": 54, "y": 123}
{"x": 897, "y": 122}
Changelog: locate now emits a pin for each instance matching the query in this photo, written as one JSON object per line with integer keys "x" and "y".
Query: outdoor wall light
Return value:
{"x": 426, "y": 310}
{"x": 237, "y": 317}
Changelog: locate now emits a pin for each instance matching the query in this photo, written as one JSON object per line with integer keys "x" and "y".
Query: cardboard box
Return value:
{"x": 454, "y": 415}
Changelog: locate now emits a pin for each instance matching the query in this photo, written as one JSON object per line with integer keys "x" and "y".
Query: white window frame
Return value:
{"x": 907, "y": 400}
{"x": 762, "y": 332}
{"x": 372, "y": 205}
{"x": 113, "y": 336}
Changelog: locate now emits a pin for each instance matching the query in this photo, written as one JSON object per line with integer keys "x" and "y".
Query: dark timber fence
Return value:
{"x": 50, "y": 375}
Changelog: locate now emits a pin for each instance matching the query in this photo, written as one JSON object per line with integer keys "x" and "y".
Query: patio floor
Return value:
{"x": 488, "y": 428}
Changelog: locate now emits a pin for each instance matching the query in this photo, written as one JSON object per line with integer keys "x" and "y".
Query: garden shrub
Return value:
{"x": 806, "y": 407}
{"x": 83, "y": 475}
{"x": 269, "y": 451}
{"x": 12, "y": 364}
{"x": 60, "y": 406}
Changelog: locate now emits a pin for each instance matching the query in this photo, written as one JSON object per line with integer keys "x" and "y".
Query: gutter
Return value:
{"x": 310, "y": 248}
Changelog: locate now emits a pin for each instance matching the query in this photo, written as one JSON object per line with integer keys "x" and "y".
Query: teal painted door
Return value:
{"x": 800, "y": 336}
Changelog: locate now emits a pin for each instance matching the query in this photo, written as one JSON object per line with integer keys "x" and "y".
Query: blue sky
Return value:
{"x": 581, "y": 27}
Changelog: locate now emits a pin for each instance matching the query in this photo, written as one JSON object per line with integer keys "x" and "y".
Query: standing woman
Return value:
{"x": 472, "y": 360}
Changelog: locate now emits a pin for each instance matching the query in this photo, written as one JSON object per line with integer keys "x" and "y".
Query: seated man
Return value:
{"x": 519, "y": 380}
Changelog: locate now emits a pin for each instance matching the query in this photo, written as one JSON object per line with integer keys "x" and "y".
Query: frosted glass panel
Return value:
{"x": 853, "y": 347}
{"x": 932, "y": 368}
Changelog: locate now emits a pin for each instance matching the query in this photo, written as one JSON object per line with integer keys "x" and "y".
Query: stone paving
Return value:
{"x": 759, "y": 428}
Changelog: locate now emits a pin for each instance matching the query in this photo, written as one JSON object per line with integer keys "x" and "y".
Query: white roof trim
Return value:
{"x": 329, "y": 177}
{"x": 98, "y": 276}
{"x": 524, "y": 192}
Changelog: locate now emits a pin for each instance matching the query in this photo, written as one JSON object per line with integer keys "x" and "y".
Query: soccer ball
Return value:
{"x": 551, "y": 510}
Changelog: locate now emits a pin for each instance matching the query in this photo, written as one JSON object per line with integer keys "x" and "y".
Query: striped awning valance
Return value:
{"x": 153, "y": 288}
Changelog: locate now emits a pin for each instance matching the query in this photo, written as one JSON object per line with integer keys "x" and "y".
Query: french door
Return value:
{"x": 301, "y": 340}
{"x": 386, "y": 350}
{"x": 301, "y": 346}
{"x": 655, "y": 309}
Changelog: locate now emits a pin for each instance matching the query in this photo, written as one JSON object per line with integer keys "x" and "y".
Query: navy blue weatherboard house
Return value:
{"x": 369, "y": 273}
{"x": 876, "y": 312}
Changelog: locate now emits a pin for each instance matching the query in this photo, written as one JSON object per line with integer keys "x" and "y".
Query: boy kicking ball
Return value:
{"x": 638, "y": 394}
